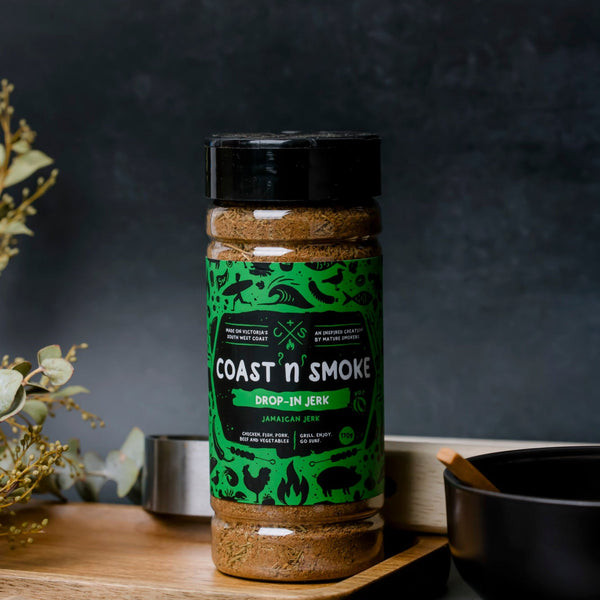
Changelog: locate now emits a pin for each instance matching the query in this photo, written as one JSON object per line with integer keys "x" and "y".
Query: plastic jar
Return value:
{"x": 295, "y": 354}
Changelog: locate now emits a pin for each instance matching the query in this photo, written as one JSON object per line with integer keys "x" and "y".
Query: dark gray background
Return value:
{"x": 490, "y": 118}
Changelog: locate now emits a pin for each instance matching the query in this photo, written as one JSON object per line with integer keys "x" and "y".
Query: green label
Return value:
{"x": 295, "y": 365}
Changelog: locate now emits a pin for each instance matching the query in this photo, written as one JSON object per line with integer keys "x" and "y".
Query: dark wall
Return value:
{"x": 490, "y": 117}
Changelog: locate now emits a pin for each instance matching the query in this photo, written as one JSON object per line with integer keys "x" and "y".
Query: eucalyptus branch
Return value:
{"x": 43, "y": 187}
{"x": 29, "y": 462}
{"x": 27, "y": 379}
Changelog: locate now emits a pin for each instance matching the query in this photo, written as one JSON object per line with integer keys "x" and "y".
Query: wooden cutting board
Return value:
{"x": 102, "y": 551}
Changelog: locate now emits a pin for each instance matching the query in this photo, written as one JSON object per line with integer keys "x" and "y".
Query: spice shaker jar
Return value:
{"x": 295, "y": 354}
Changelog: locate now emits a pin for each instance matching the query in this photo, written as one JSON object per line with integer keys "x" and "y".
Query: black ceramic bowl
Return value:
{"x": 537, "y": 539}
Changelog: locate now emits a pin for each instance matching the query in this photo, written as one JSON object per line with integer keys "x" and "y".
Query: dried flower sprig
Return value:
{"x": 29, "y": 462}
{"x": 20, "y": 532}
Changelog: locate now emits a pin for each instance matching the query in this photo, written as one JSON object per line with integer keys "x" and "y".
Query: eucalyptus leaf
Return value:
{"x": 70, "y": 390}
{"x": 58, "y": 370}
{"x": 6, "y": 460}
{"x": 135, "y": 493}
{"x": 64, "y": 478}
{"x": 17, "y": 404}
{"x": 10, "y": 384}
{"x": 14, "y": 228}
{"x": 64, "y": 474}
{"x": 89, "y": 486}
{"x": 87, "y": 492}
{"x": 74, "y": 450}
{"x": 24, "y": 165}
{"x": 121, "y": 469}
{"x": 53, "y": 351}
{"x": 21, "y": 147}
{"x": 23, "y": 367}
{"x": 133, "y": 446}
{"x": 37, "y": 410}
{"x": 36, "y": 388}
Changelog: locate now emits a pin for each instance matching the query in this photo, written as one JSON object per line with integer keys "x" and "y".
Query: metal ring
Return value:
{"x": 175, "y": 479}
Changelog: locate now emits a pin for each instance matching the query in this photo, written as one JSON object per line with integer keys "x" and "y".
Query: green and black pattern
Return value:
{"x": 295, "y": 381}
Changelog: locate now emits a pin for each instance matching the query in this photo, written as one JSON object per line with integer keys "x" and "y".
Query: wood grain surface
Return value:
{"x": 102, "y": 551}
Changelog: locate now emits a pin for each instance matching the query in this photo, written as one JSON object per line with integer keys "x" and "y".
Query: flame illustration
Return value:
{"x": 290, "y": 345}
{"x": 293, "y": 490}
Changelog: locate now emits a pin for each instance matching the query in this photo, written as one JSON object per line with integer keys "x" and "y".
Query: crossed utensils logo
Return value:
{"x": 290, "y": 333}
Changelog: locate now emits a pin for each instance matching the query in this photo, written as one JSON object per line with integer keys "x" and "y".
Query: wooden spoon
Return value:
{"x": 464, "y": 470}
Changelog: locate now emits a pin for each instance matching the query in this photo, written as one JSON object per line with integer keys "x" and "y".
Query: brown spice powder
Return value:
{"x": 262, "y": 232}
{"x": 276, "y": 543}
{"x": 295, "y": 543}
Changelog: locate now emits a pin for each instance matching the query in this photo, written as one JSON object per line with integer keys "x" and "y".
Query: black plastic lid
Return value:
{"x": 293, "y": 166}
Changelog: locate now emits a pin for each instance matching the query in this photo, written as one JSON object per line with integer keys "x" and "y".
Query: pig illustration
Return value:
{"x": 337, "y": 478}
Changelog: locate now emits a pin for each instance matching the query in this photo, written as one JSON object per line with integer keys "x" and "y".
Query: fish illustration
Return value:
{"x": 321, "y": 266}
{"x": 286, "y": 294}
{"x": 362, "y": 298}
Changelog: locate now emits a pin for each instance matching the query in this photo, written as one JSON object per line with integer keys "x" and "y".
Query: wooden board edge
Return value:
{"x": 390, "y": 570}
{"x": 31, "y": 585}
